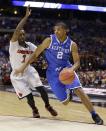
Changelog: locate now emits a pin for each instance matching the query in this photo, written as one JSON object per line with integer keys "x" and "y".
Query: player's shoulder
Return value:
{"x": 45, "y": 44}
{"x": 74, "y": 46}
{"x": 13, "y": 42}
{"x": 30, "y": 43}
{"x": 53, "y": 36}
{"x": 14, "y": 45}
{"x": 73, "y": 43}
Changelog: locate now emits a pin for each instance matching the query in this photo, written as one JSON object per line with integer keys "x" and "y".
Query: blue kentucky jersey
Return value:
{"x": 58, "y": 53}
{"x": 57, "y": 56}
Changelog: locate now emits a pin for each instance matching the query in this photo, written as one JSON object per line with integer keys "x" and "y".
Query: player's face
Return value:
{"x": 60, "y": 31}
{"x": 21, "y": 37}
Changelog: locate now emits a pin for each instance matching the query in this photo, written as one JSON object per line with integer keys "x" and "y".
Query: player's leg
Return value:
{"x": 59, "y": 90}
{"x": 57, "y": 87}
{"x": 31, "y": 103}
{"x": 43, "y": 94}
{"x": 35, "y": 81}
{"x": 45, "y": 98}
{"x": 86, "y": 101}
{"x": 76, "y": 86}
{"x": 22, "y": 89}
{"x": 70, "y": 95}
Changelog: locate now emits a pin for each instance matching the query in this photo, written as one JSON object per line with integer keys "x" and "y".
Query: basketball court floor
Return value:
{"x": 15, "y": 115}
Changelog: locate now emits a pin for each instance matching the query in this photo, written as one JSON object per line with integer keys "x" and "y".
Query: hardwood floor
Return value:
{"x": 10, "y": 105}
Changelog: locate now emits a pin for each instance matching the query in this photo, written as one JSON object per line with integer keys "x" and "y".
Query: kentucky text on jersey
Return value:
{"x": 58, "y": 48}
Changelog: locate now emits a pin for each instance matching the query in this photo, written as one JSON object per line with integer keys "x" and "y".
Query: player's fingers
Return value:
{"x": 29, "y": 6}
{"x": 65, "y": 68}
{"x": 30, "y": 11}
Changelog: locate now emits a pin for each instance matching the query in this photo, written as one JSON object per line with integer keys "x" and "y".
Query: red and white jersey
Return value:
{"x": 19, "y": 54}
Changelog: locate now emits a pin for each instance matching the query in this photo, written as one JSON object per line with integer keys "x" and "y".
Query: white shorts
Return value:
{"x": 24, "y": 84}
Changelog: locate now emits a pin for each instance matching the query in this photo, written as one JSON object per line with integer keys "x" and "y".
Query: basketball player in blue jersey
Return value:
{"x": 20, "y": 51}
{"x": 58, "y": 48}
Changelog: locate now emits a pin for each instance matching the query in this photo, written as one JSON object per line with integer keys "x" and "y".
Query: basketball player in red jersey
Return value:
{"x": 20, "y": 51}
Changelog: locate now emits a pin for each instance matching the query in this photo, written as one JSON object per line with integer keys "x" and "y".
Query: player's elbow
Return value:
{"x": 78, "y": 64}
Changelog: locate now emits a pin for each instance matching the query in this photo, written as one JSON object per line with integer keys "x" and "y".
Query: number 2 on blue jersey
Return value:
{"x": 59, "y": 55}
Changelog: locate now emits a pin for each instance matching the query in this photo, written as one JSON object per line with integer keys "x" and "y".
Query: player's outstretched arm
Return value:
{"x": 45, "y": 44}
{"x": 21, "y": 24}
{"x": 75, "y": 56}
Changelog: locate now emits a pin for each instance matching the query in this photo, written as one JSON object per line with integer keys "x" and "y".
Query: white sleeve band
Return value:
{"x": 71, "y": 45}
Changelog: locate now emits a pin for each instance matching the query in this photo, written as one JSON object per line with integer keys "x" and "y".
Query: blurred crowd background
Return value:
{"x": 88, "y": 30}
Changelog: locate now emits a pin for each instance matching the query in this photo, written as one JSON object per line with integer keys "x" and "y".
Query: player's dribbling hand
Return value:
{"x": 28, "y": 11}
{"x": 71, "y": 69}
{"x": 68, "y": 69}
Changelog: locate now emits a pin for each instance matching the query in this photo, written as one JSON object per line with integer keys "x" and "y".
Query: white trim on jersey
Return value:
{"x": 72, "y": 42}
{"x": 50, "y": 42}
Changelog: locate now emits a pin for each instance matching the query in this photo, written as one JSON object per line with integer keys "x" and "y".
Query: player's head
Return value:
{"x": 61, "y": 29}
{"x": 21, "y": 37}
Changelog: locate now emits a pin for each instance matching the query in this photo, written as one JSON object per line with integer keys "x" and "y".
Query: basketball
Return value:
{"x": 66, "y": 76}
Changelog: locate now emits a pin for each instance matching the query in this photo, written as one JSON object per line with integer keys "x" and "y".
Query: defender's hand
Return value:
{"x": 28, "y": 11}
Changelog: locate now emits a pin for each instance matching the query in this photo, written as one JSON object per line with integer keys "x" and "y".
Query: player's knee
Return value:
{"x": 30, "y": 99}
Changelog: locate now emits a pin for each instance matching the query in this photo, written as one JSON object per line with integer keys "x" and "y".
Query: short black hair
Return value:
{"x": 62, "y": 24}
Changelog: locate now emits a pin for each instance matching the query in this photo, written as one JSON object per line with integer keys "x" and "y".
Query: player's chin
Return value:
{"x": 58, "y": 35}
{"x": 22, "y": 40}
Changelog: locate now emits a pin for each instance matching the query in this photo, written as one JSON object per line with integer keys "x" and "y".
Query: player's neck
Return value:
{"x": 62, "y": 39}
{"x": 23, "y": 44}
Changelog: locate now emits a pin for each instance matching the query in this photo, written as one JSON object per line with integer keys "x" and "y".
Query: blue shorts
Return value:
{"x": 60, "y": 90}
